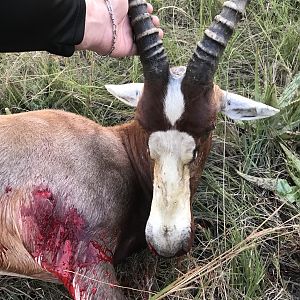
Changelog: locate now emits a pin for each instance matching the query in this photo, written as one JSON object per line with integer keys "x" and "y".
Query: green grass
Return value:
{"x": 247, "y": 243}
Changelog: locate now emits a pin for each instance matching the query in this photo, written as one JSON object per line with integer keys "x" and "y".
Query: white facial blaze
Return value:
{"x": 174, "y": 101}
{"x": 169, "y": 225}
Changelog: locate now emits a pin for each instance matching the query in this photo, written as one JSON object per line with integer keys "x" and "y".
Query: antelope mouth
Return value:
{"x": 169, "y": 243}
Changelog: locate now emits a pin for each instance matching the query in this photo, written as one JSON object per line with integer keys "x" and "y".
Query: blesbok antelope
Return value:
{"x": 76, "y": 198}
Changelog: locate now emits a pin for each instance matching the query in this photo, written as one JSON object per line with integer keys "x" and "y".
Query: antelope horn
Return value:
{"x": 203, "y": 64}
{"x": 149, "y": 44}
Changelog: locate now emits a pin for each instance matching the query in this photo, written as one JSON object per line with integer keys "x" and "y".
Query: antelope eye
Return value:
{"x": 195, "y": 153}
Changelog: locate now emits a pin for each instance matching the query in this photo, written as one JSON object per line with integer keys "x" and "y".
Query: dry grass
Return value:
{"x": 247, "y": 243}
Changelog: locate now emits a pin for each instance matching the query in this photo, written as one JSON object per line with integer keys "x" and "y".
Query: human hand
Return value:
{"x": 98, "y": 33}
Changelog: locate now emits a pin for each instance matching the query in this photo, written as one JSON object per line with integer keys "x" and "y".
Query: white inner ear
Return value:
{"x": 238, "y": 107}
{"x": 129, "y": 93}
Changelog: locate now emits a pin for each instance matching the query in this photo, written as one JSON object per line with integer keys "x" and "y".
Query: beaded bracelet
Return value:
{"x": 114, "y": 26}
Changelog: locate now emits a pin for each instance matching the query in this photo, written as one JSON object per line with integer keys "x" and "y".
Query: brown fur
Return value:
{"x": 201, "y": 107}
{"x": 200, "y": 123}
{"x": 86, "y": 167}
{"x": 98, "y": 180}
{"x": 150, "y": 112}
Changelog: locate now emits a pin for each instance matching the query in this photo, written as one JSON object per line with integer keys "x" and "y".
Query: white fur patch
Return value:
{"x": 240, "y": 108}
{"x": 169, "y": 224}
{"x": 129, "y": 93}
{"x": 174, "y": 102}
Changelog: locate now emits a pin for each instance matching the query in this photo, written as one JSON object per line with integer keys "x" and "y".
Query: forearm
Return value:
{"x": 52, "y": 25}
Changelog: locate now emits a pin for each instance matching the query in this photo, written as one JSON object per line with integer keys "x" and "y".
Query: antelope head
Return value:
{"x": 178, "y": 108}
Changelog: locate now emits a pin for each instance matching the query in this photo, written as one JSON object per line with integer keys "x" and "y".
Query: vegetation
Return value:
{"x": 247, "y": 209}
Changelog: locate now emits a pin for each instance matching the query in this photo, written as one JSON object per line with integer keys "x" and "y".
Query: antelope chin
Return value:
{"x": 167, "y": 242}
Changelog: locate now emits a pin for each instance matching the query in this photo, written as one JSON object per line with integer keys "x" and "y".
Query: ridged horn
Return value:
{"x": 204, "y": 62}
{"x": 149, "y": 44}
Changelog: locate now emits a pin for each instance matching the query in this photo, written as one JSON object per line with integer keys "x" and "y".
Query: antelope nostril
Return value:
{"x": 170, "y": 246}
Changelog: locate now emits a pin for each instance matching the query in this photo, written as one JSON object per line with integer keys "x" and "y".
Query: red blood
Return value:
{"x": 41, "y": 193}
{"x": 60, "y": 242}
{"x": 112, "y": 282}
{"x": 152, "y": 249}
{"x": 100, "y": 252}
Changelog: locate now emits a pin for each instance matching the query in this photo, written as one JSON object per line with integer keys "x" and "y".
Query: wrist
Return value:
{"x": 98, "y": 32}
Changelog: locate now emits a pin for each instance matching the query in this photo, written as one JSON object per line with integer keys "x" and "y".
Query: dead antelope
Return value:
{"x": 76, "y": 198}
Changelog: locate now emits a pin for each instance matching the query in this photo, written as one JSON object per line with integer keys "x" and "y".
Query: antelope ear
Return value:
{"x": 128, "y": 93}
{"x": 238, "y": 107}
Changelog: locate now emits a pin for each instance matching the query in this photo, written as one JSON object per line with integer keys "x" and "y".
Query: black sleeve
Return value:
{"x": 52, "y": 25}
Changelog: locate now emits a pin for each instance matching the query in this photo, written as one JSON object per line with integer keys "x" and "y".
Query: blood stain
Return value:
{"x": 152, "y": 249}
{"x": 60, "y": 243}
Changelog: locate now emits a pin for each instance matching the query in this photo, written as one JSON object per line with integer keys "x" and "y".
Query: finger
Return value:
{"x": 131, "y": 52}
{"x": 155, "y": 21}
{"x": 160, "y": 33}
{"x": 149, "y": 8}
